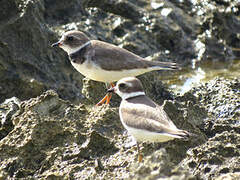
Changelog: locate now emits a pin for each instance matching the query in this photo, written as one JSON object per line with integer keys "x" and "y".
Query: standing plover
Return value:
{"x": 101, "y": 61}
{"x": 144, "y": 119}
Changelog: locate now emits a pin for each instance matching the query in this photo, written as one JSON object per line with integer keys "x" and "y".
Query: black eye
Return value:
{"x": 122, "y": 85}
{"x": 69, "y": 38}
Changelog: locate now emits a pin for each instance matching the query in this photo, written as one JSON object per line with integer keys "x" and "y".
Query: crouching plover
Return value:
{"x": 101, "y": 61}
{"x": 144, "y": 119}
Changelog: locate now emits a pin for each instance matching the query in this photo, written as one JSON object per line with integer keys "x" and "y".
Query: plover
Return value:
{"x": 105, "y": 62}
{"x": 144, "y": 119}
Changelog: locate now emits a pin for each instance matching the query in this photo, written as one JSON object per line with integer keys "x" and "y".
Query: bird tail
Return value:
{"x": 184, "y": 134}
{"x": 157, "y": 65}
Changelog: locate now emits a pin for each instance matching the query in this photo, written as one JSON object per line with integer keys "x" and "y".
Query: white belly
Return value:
{"x": 143, "y": 135}
{"x": 94, "y": 72}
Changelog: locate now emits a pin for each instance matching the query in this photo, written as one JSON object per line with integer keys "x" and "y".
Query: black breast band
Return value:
{"x": 79, "y": 56}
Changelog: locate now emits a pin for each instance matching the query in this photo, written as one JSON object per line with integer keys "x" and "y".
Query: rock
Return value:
{"x": 158, "y": 166}
{"x": 221, "y": 99}
{"x": 9, "y": 12}
{"x": 9, "y": 108}
{"x": 49, "y": 131}
{"x": 179, "y": 35}
{"x": 27, "y": 60}
{"x": 62, "y": 10}
{"x": 229, "y": 176}
{"x": 50, "y": 134}
{"x": 220, "y": 26}
{"x": 220, "y": 154}
{"x": 52, "y": 138}
{"x": 125, "y": 9}
{"x": 93, "y": 91}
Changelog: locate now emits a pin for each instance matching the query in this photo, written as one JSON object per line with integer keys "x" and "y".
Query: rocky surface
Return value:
{"x": 47, "y": 137}
{"x": 59, "y": 134}
{"x": 220, "y": 154}
{"x": 52, "y": 138}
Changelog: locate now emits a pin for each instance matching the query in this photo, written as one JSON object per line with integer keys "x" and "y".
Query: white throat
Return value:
{"x": 71, "y": 50}
{"x": 130, "y": 95}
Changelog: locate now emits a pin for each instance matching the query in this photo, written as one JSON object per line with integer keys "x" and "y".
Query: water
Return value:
{"x": 182, "y": 81}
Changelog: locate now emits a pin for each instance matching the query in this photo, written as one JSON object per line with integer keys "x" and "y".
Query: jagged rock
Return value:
{"x": 229, "y": 176}
{"x": 221, "y": 99}
{"x": 125, "y": 9}
{"x": 9, "y": 108}
{"x": 28, "y": 65}
{"x": 48, "y": 132}
{"x": 62, "y": 10}
{"x": 220, "y": 154}
{"x": 49, "y": 138}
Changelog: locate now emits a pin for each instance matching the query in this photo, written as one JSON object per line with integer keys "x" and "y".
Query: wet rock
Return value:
{"x": 143, "y": 34}
{"x": 180, "y": 29}
{"x": 220, "y": 27}
{"x": 172, "y": 31}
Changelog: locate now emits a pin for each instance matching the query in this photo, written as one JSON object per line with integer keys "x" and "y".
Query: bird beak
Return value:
{"x": 56, "y": 44}
{"x": 111, "y": 90}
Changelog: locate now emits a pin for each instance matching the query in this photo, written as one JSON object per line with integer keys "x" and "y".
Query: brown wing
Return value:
{"x": 114, "y": 58}
{"x": 148, "y": 116}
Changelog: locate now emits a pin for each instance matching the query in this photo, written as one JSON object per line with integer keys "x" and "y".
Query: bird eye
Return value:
{"x": 69, "y": 38}
{"x": 122, "y": 85}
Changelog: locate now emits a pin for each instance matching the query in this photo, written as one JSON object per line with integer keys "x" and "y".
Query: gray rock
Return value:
{"x": 9, "y": 108}
{"x": 48, "y": 129}
{"x": 28, "y": 65}
{"x": 50, "y": 134}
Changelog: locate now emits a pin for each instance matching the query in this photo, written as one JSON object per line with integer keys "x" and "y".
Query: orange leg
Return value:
{"x": 102, "y": 100}
{"x": 106, "y": 98}
{"x": 140, "y": 157}
{"x": 109, "y": 96}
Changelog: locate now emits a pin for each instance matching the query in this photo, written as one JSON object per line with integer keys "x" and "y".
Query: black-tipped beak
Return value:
{"x": 55, "y": 44}
{"x": 111, "y": 90}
